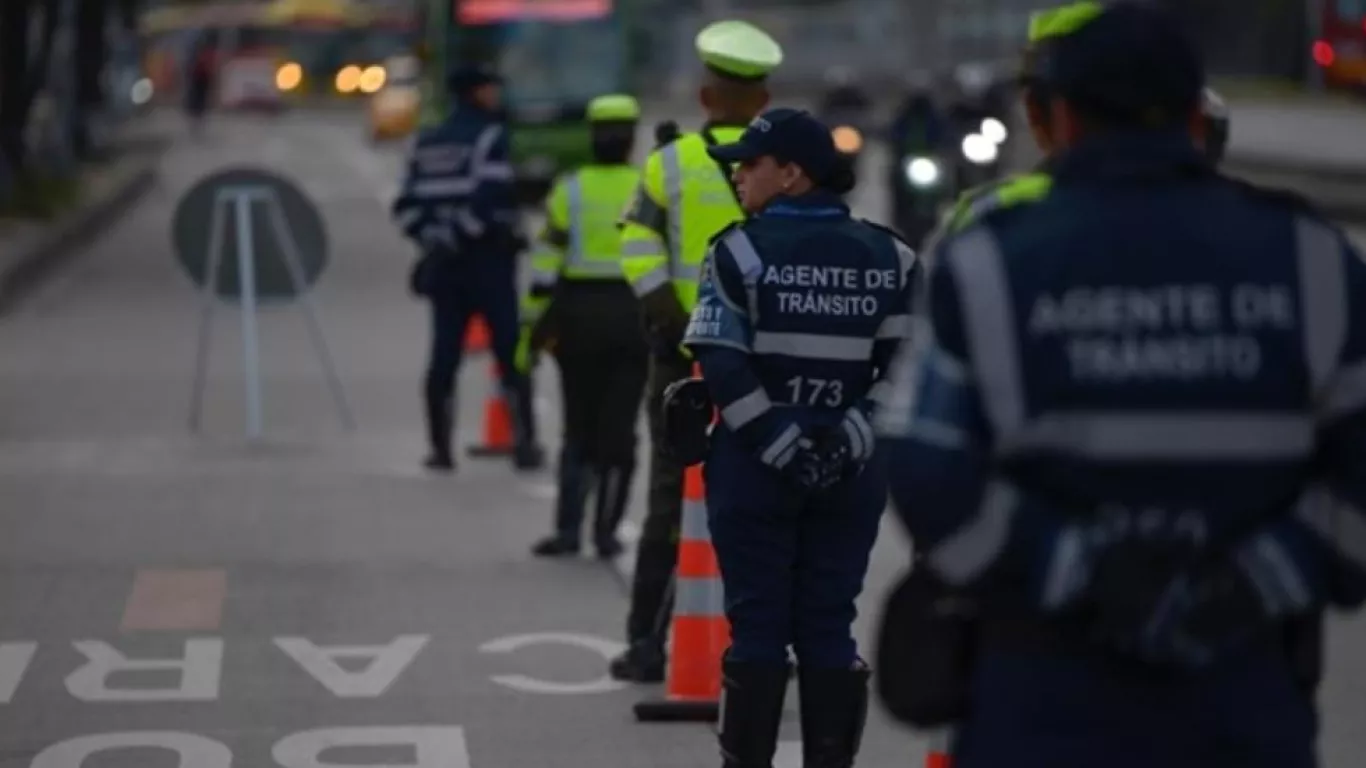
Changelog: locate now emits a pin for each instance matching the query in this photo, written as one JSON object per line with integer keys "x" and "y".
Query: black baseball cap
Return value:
{"x": 1132, "y": 60}
{"x": 789, "y": 136}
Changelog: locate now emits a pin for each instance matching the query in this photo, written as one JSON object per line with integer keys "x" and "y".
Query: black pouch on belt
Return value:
{"x": 687, "y": 421}
{"x": 926, "y": 649}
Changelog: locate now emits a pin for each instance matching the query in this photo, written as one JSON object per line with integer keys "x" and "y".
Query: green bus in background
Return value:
{"x": 554, "y": 55}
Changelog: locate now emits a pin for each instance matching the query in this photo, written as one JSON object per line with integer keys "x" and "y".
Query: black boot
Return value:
{"x": 613, "y": 496}
{"x": 575, "y": 483}
{"x": 834, "y": 705}
{"x": 527, "y": 454}
{"x": 438, "y": 414}
{"x": 642, "y": 662}
{"x": 751, "y": 713}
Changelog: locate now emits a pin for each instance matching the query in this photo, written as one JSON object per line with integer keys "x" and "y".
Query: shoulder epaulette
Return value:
{"x": 723, "y": 231}
{"x": 1276, "y": 195}
{"x": 895, "y": 235}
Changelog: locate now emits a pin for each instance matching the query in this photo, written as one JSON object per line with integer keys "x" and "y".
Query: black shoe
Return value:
{"x": 834, "y": 706}
{"x": 437, "y": 462}
{"x": 555, "y": 546}
{"x": 751, "y": 713}
{"x": 528, "y": 457}
{"x": 609, "y": 549}
{"x": 638, "y": 664}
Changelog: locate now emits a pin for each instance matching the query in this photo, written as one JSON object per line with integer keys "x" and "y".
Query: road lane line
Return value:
{"x": 789, "y": 755}
{"x": 175, "y": 600}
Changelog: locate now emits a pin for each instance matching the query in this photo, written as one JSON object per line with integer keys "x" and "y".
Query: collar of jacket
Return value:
{"x": 466, "y": 108}
{"x": 1135, "y": 155}
{"x": 812, "y": 204}
{"x": 711, "y": 124}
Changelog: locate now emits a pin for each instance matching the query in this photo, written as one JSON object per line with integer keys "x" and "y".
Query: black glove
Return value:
{"x": 821, "y": 464}
{"x": 1153, "y": 608}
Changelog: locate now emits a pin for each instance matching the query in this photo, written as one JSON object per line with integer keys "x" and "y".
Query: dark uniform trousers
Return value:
{"x": 603, "y": 361}
{"x": 657, "y": 552}
{"x": 460, "y": 286}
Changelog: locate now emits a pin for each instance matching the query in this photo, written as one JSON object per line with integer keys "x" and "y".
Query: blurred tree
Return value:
{"x": 23, "y": 68}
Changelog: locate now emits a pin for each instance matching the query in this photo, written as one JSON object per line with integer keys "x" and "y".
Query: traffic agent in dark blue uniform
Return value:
{"x": 800, "y": 310}
{"x": 1134, "y": 432}
{"x": 458, "y": 204}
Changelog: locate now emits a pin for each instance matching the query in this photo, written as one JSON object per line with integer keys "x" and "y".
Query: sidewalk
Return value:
{"x": 1325, "y": 137}
{"x": 29, "y": 249}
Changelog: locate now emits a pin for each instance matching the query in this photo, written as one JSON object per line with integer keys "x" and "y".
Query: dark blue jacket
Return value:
{"x": 1150, "y": 351}
{"x": 458, "y": 191}
{"x": 799, "y": 313}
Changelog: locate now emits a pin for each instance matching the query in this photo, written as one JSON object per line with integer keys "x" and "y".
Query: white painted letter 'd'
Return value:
{"x": 192, "y": 751}
{"x": 432, "y": 746}
{"x": 199, "y": 673}
{"x": 385, "y": 663}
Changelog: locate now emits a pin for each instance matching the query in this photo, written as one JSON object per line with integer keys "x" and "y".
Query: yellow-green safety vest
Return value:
{"x": 682, "y": 201}
{"x": 581, "y": 239}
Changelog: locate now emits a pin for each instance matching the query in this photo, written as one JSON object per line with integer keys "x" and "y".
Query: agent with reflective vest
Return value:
{"x": 580, "y": 303}
{"x": 685, "y": 198}
{"x": 799, "y": 315}
{"x": 1134, "y": 432}
{"x": 457, "y": 203}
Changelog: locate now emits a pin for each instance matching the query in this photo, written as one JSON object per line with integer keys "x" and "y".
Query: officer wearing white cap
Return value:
{"x": 684, "y": 198}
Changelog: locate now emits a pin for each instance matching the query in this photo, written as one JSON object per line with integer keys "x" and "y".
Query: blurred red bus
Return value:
{"x": 1340, "y": 50}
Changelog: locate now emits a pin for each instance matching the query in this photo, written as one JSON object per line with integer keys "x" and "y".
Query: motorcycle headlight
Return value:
{"x": 980, "y": 150}
{"x": 994, "y": 129}
{"x": 922, "y": 172}
{"x": 141, "y": 91}
{"x": 847, "y": 139}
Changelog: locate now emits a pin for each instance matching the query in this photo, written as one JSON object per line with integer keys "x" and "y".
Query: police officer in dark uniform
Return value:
{"x": 458, "y": 204}
{"x": 1133, "y": 432}
{"x": 800, "y": 311}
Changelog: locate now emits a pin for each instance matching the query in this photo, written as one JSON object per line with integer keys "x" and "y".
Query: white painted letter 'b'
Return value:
{"x": 386, "y": 663}
{"x": 192, "y": 751}
{"x": 434, "y": 747}
{"x": 199, "y": 673}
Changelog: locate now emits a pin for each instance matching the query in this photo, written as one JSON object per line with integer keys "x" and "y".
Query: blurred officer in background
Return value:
{"x": 580, "y": 302}
{"x": 1134, "y": 431}
{"x": 685, "y": 197}
{"x": 1211, "y": 133}
{"x": 457, "y": 203}
{"x": 799, "y": 314}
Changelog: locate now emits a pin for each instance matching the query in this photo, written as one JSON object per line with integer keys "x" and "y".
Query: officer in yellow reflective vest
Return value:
{"x": 580, "y": 304}
{"x": 685, "y": 197}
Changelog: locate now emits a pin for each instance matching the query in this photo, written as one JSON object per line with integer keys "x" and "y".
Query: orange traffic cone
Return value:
{"x": 700, "y": 633}
{"x": 939, "y": 755}
{"x": 498, "y": 439}
{"x": 477, "y": 335}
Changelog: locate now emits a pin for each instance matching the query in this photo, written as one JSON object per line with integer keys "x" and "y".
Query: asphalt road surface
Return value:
{"x": 313, "y": 599}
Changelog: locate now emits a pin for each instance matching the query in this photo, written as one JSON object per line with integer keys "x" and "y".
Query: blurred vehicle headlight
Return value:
{"x": 289, "y": 76}
{"x": 348, "y": 79}
{"x": 847, "y": 139}
{"x": 371, "y": 80}
{"x": 141, "y": 91}
{"x": 995, "y": 130}
{"x": 980, "y": 150}
{"x": 922, "y": 171}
